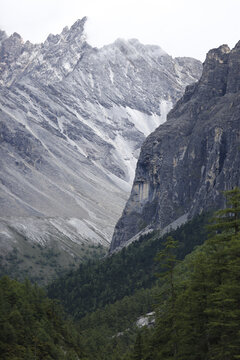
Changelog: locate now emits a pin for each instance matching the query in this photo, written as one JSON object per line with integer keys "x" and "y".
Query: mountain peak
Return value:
{"x": 215, "y": 72}
{"x": 134, "y": 45}
{"x": 237, "y": 46}
{"x": 79, "y": 24}
{"x": 76, "y": 31}
{"x": 3, "y": 36}
{"x": 221, "y": 72}
{"x": 218, "y": 54}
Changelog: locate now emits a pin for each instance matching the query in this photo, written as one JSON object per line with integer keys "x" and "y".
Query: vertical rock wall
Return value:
{"x": 189, "y": 160}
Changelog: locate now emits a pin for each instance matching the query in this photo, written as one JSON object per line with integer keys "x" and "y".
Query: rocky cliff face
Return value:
{"x": 72, "y": 121}
{"x": 187, "y": 162}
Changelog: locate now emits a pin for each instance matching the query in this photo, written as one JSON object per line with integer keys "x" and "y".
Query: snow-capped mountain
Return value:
{"x": 72, "y": 121}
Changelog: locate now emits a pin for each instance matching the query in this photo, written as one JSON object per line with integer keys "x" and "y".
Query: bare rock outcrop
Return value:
{"x": 187, "y": 162}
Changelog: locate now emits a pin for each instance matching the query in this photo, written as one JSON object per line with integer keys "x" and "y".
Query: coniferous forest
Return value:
{"x": 188, "y": 280}
{"x": 198, "y": 316}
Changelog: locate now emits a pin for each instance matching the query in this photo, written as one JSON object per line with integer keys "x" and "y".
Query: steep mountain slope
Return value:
{"x": 189, "y": 160}
{"x": 72, "y": 121}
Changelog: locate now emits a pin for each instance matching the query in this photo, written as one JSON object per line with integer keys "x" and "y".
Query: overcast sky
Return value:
{"x": 180, "y": 27}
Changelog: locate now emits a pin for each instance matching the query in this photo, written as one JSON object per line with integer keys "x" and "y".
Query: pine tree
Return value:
{"x": 138, "y": 348}
{"x": 191, "y": 304}
{"x": 166, "y": 337}
{"x": 210, "y": 304}
{"x": 198, "y": 318}
{"x": 224, "y": 302}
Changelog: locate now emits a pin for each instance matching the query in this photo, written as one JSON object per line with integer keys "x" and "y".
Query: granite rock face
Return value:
{"x": 72, "y": 121}
{"x": 187, "y": 162}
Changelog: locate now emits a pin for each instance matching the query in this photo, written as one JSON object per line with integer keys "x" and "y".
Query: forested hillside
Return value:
{"x": 193, "y": 300}
{"x": 105, "y": 297}
{"x": 99, "y": 283}
{"x": 198, "y": 317}
{"x": 32, "y": 326}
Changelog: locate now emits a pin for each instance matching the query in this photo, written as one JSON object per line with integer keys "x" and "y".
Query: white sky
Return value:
{"x": 180, "y": 27}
